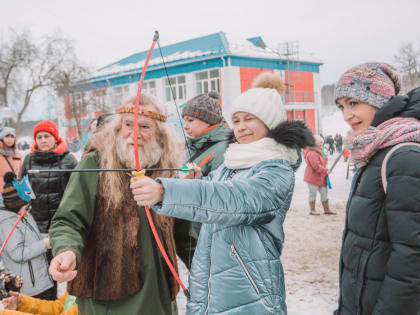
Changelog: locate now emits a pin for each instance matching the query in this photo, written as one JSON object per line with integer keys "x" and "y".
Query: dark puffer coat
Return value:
{"x": 48, "y": 187}
{"x": 380, "y": 258}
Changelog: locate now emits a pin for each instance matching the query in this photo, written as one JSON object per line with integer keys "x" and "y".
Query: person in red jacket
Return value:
{"x": 315, "y": 176}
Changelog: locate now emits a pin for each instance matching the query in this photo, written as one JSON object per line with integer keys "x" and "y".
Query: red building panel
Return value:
{"x": 71, "y": 133}
{"x": 300, "y": 86}
{"x": 67, "y": 106}
{"x": 307, "y": 115}
{"x": 299, "y": 115}
{"x": 247, "y": 75}
{"x": 310, "y": 119}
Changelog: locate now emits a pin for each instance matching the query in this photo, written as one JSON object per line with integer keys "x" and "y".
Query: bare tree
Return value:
{"x": 327, "y": 94}
{"x": 100, "y": 100}
{"x": 81, "y": 96}
{"x": 27, "y": 67}
{"x": 408, "y": 62}
{"x": 71, "y": 83}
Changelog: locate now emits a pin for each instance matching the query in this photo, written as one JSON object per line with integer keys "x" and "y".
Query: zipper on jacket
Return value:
{"x": 208, "y": 296}
{"x": 31, "y": 273}
{"x": 248, "y": 275}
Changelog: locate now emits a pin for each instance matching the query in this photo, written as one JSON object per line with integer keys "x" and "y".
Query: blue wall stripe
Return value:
{"x": 209, "y": 64}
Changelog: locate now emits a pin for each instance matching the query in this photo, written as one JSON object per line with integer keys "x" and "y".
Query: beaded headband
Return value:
{"x": 129, "y": 109}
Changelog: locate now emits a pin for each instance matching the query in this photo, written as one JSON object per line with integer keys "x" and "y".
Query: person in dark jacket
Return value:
{"x": 329, "y": 141}
{"x": 48, "y": 152}
{"x": 338, "y": 140}
{"x": 380, "y": 255}
{"x": 207, "y": 141}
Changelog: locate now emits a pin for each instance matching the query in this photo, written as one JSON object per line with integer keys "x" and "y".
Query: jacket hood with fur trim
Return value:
{"x": 293, "y": 134}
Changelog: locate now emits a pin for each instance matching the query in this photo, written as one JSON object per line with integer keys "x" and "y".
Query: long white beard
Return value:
{"x": 149, "y": 153}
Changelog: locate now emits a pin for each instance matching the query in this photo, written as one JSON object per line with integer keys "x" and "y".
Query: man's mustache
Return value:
{"x": 140, "y": 143}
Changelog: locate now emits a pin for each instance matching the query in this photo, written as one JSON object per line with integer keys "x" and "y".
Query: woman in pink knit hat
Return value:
{"x": 380, "y": 256}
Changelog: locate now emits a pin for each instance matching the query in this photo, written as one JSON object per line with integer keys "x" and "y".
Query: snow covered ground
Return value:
{"x": 311, "y": 250}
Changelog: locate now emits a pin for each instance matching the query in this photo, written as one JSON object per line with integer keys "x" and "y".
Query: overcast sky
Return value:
{"x": 340, "y": 33}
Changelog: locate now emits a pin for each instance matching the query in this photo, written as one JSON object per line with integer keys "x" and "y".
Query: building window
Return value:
{"x": 207, "y": 81}
{"x": 149, "y": 87}
{"x": 179, "y": 88}
{"x": 118, "y": 95}
{"x": 76, "y": 98}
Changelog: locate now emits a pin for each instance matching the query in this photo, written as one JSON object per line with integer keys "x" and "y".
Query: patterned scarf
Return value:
{"x": 7, "y": 152}
{"x": 389, "y": 133}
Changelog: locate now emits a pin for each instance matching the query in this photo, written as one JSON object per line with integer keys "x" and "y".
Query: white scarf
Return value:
{"x": 239, "y": 156}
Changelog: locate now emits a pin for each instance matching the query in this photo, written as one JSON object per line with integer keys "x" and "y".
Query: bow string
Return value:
{"x": 140, "y": 173}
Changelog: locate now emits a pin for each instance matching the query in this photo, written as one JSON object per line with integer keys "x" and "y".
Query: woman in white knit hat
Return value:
{"x": 242, "y": 205}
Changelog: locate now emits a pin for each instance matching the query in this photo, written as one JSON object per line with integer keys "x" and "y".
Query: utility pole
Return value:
{"x": 289, "y": 51}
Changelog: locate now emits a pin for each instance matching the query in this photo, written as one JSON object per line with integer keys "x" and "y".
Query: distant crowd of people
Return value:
{"x": 332, "y": 144}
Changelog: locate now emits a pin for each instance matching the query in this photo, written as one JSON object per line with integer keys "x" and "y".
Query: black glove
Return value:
{"x": 10, "y": 286}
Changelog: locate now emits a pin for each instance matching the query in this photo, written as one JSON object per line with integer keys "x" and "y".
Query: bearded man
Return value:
{"x": 100, "y": 231}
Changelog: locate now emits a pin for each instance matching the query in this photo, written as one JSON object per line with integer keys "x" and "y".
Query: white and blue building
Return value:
{"x": 218, "y": 62}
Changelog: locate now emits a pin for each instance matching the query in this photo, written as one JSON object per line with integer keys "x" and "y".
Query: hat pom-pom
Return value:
{"x": 214, "y": 95}
{"x": 8, "y": 177}
{"x": 269, "y": 80}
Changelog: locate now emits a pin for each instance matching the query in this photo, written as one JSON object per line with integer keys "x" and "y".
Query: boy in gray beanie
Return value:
{"x": 205, "y": 107}
{"x": 208, "y": 138}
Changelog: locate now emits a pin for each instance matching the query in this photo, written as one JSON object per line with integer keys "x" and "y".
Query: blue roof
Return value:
{"x": 207, "y": 47}
{"x": 257, "y": 41}
{"x": 213, "y": 44}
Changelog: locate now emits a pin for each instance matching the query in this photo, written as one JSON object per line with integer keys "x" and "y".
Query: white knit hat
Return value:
{"x": 263, "y": 100}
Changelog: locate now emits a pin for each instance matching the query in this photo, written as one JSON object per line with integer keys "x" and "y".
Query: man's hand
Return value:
{"x": 194, "y": 173}
{"x": 47, "y": 242}
{"x": 146, "y": 191}
{"x": 63, "y": 265}
{"x": 12, "y": 302}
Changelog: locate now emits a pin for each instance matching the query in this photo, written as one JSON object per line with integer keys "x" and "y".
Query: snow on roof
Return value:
{"x": 137, "y": 66}
{"x": 243, "y": 47}
{"x": 217, "y": 44}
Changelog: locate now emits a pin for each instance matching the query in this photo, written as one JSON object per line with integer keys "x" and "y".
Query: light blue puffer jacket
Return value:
{"x": 236, "y": 267}
{"x": 24, "y": 254}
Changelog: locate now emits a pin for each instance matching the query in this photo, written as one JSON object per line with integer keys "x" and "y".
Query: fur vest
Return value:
{"x": 114, "y": 234}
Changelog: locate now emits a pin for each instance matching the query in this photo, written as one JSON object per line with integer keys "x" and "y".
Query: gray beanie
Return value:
{"x": 7, "y": 131}
{"x": 205, "y": 107}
